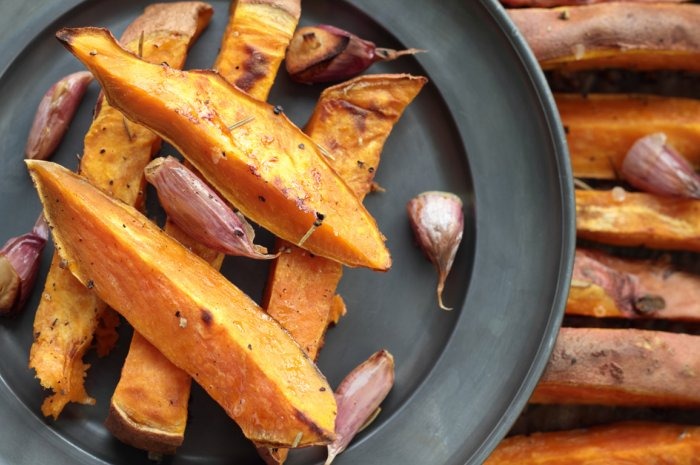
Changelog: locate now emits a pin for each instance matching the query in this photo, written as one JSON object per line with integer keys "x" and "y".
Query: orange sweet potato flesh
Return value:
{"x": 625, "y": 443}
{"x": 352, "y": 120}
{"x": 68, "y": 314}
{"x": 642, "y": 36}
{"x": 266, "y": 167}
{"x": 622, "y": 367}
{"x": 255, "y": 41}
{"x": 149, "y": 415}
{"x": 601, "y": 128}
{"x": 149, "y": 407}
{"x": 638, "y": 219}
{"x": 251, "y": 50}
{"x": 607, "y": 286}
{"x": 196, "y": 318}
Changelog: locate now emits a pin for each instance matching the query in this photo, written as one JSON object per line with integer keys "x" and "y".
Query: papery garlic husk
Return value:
{"x": 325, "y": 53}
{"x": 199, "y": 211}
{"x": 54, "y": 114}
{"x": 19, "y": 266}
{"x": 653, "y": 166}
{"x": 437, "y": 221}
{"x": 358, "y": 397}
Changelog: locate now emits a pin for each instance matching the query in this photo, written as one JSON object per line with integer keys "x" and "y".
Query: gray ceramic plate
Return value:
{"x": 484, "y": 128}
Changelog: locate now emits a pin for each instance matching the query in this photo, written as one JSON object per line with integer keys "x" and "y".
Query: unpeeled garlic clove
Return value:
{"x": 437, "y": 221}
{"x": 325, "y": 53}
{"x": 358, "y": 397}
{"x": 653, "y": 166}
{"x": 54, "y": 114}
{"x": 199, "y": 211}
{"x": 19, "y": 265}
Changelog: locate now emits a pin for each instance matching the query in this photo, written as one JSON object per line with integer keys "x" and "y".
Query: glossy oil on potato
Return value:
{"x": 248, "y": 150}
{"x": 189, "y": 312}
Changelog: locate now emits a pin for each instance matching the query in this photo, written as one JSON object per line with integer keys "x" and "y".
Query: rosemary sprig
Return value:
{"x": 240, "y": 123}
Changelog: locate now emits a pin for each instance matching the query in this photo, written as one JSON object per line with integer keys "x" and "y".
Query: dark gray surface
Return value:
{"x": 478, "y": 129}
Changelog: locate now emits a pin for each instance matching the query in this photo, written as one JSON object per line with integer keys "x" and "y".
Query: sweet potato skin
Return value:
{"x": 608, "y": 286}
{"x": 601, "y": 128}
{"x": 197, "y": 319}
{"x": 254, "y": 43}
{"x": 149, "y": 415}
{"x": 613, "y": 35}
{"x": 622, "y": 367}
{"x": 625, "y": 443}
{"x": 352, "y": 120}
{"x": 68, "y": 314}
{"x": 638, "y": 219}
{"x": 281, "y": 179}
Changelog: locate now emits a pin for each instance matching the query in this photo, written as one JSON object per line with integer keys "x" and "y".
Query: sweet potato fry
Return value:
{"x": 629, "y": 443}
{"x": 136, "y": 416}
{"x": 352, "y": 120}
{"x": 601, "y": 128}
{"x": 248, "y": 150}
{"x": 149, "y": 415}
{"x": 608, "y": 286}
{"x": 200, "y": 321}
{"x": 68, "y": 312}
{"x": 644, "y": 36}
{"x": 254, "y": 43}
{"x": 622, "y": 367}
{"x": 617, "y": 217}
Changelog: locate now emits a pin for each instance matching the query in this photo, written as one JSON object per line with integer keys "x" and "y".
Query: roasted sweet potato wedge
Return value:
{"x": 199, "y": 320}
{"x": 601, "y": 128}
{"x": 630, "y": 443}
{"x": 251, "y": 50}
{"x": 608, "y": 286}
{"x": 352, "y": 120}
{"x": 254, "y": 43}
{"x": 622, "y": 367}
{"x": 149, "y": 415}
{"x": 69, "y": 314}
{"x": 248, "y": 150}
{"x": 634, "y": 219}
{"x": 643, "y": 36}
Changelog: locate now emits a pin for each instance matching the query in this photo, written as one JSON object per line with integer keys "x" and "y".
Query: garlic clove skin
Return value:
{"x": 358, "y": 397}
{"x": 437, "y": 221}
{"x": 19, "y": 266}
{"x": 54, "y": 114}
{"x": 199, "y": 211}
{"x": 325, "y": 53}
{"x": 653, "y": 166}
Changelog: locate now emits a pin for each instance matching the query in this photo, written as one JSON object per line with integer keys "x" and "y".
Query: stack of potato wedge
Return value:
{"x": 623, "y": 381}
{"x": 190, "y": 323}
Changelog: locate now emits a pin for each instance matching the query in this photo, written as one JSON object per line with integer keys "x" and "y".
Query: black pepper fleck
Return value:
{"x": 277, "y": 109}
